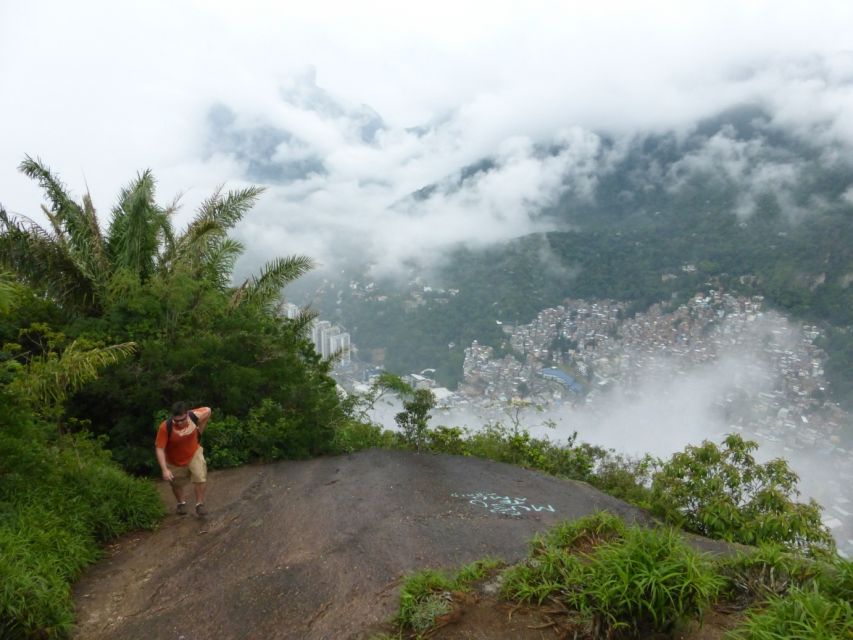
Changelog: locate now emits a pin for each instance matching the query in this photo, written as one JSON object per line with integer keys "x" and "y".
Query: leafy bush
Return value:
{"x": 648, "y": 580}
{"x": 354, "y": 435}
{"x": 226, "y": 442}
{"x": 619, "y": 578}
{"x": 427, "y": 594}
{"x": 546, "y": 574}
{"x": 414, "y": 417}
{"x": 60, "y": 497}
{"x": 767, "y": 571}
{"x": 801, "y": 615}
{"x": 450, "y": 440}
{"x": 724, "y": 493}
{"x": 585, "y": 532}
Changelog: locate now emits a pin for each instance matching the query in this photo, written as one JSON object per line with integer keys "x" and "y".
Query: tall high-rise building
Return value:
{"x": 317, "y": 329}
{"x": 340, "y": 343}
{"x": 290, "y": 310}
{"x": 329, "y": 339}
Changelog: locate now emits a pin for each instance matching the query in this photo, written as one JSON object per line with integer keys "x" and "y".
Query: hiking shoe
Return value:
{"x": 200, "y": 509}
{"x": 181, "y": 509}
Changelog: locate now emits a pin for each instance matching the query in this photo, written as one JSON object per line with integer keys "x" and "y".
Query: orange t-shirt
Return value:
{"x": 182, "y": 444}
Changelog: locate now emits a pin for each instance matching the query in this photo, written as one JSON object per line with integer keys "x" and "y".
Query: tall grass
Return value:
{"x": 427, "y": 594}
{"x": 60, "y": 498}
{"x": 648, "y": 580}
{"x": 800, "y": 615}
{"x": 618, "y": 578}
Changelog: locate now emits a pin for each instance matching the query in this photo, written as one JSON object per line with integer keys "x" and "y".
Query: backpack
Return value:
{"x": 193, "y": 417}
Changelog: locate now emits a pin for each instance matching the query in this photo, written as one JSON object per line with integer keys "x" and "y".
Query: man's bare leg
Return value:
{"x": 199, "y": 492}
{"x": 178, "y": 491}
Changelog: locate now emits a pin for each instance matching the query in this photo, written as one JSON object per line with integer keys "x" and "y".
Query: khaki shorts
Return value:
{"x": 196, "y": 470}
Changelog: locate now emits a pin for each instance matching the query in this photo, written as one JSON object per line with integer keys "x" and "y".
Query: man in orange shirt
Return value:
{"x": 180, "y": 454}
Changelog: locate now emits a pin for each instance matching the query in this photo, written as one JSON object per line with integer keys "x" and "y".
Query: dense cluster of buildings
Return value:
{"x": 774, "y": 389}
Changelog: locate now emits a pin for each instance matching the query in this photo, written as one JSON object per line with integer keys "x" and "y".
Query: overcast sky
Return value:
{"x": 345, "y": 109}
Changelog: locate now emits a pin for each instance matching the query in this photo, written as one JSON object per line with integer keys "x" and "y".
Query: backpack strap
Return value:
{"x": 170, "y": 423}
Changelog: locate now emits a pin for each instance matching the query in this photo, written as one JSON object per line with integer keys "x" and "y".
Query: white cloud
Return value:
{"x": 100, "y": 90}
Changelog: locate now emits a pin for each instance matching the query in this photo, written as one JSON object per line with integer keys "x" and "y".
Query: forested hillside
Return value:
{"x": 737, "y": 202}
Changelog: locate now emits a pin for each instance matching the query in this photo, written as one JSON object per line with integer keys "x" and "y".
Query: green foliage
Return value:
{"x": 625, "y": 478}
{"x": 226, "y": 442}
{"x": 791, "y": 596}
{"x": 450, "y": 440}
{"x": 767, "y": 571}
{"x": 724, "y": 493}
{"x": 619, "y": 578}
{"x": 427, "y": 594}
{"x": 648, "y": 580}
{"x": 269, "y": 432}
{"x": 622, "y": 477}
{"x": 169, "y": 292}
{"x": 554, "y": 561}
{"x": 413, "y": 420}
{"x": 50, "y": 378}
{"x": 475, "y": 572}
{"x": 801, "y": 615}
{"x": 352, "y": 436}
{"x": 541, "y": 577}
{"x": 585, "y": 532}
{"x": 60, "y": 497}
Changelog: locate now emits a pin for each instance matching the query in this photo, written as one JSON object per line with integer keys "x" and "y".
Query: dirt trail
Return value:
{"x": 316, "y": 549}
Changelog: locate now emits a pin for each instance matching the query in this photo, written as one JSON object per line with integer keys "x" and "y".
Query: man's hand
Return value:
{"x": 168, "y": 476}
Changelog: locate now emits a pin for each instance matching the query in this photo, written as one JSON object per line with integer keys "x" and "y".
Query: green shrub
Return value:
{"x": 354, "y": 435}
{"x": 648, "y": 580}
{"x": 767, "y": 571}
{"x": 836, "y": 580}
{"x": 724, "y": 493}
{"x": 625, "y": 478}
{"x": 420, "y": 594}
{"x": 226, "y": 442}
{"x": 591, "y": 530}
{"x": 64, "y": 497}
{"x": 544, "y": 575}
{"x": 427, "y": 594}
{"x": 449, "y": 440}
{"x": 801, "y": 615}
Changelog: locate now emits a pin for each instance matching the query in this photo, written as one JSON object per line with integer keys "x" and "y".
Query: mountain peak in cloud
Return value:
{"x": 304, "y": 93}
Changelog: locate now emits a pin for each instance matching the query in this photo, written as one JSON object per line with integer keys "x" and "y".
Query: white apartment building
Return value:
{"x": 329, "y": 339}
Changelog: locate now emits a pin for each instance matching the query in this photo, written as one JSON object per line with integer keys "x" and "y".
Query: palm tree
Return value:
{"x": 74, "y": 262}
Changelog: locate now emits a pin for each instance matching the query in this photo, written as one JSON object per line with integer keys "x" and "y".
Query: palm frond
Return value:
{"x": 209, "y": 228}
{"x": 200, "y": 234}
{"x": 99, "y": 256}
{"x": 136, "y": 226}
{"x": 229, "y": 210}
{"x": 265, "y": 290}
{"x": 166, "y": 236}
{"x": 218, "y": 261}
{"x": 76, "y": 226}
{"x": 302, "y": 322}
{"x": 49, "y": 379}
{"x": 44, "y": 262}
{"x": 7, "y": 292}
{"x": 52, "y": 186}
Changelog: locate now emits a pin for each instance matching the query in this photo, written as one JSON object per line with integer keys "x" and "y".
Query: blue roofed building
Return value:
{"x": 563, "y": 378}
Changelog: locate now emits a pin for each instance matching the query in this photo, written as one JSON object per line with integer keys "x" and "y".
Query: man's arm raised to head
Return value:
{"x": 203, "y": 415}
